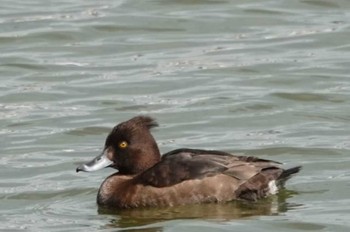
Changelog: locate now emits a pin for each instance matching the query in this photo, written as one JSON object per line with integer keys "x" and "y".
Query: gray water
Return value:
{"x": 264, "y": 78}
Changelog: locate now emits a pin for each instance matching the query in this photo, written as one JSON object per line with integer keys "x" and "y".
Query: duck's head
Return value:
{"x": 129, "y": 147}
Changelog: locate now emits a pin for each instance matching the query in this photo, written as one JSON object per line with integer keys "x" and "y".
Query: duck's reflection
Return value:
{"x": 140, "y": 219}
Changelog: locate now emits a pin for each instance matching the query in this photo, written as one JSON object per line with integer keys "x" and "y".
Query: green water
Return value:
{"x": 263, "y": 78}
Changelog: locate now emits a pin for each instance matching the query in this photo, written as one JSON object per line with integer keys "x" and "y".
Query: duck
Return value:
{"x": 145, "y": 178}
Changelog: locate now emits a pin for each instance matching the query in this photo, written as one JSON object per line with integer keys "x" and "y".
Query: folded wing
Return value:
{"x": 188, "y": 164}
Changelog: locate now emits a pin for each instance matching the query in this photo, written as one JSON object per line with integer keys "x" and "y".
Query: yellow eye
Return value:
{"x": 123, "y": 144}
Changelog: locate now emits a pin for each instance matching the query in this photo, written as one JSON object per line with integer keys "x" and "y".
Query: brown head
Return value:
{"x": 129, "y": 147}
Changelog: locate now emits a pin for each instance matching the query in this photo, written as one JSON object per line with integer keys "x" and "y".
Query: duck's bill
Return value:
{"x": 97, "y": 163}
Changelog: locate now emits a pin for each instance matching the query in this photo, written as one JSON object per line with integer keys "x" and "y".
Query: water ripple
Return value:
{"x": 263, "y": 78}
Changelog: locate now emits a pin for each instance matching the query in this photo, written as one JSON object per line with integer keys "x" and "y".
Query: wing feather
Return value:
{"x": 186, "y": 164}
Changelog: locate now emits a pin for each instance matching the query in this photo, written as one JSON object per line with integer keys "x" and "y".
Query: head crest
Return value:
{"x": 135, "y": 124}
{"x": 143, "y": 121}
{"x": 130, "y": 128}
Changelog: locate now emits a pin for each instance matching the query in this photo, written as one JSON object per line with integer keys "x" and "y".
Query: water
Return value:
{"x": 264, "y": 78}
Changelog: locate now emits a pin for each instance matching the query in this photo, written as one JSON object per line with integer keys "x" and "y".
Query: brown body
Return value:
{"x": 121, "y": 192}
{"x": 182, "y": 176}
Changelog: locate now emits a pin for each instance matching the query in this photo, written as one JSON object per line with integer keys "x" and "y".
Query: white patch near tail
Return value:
{"x": 273, "y": 189}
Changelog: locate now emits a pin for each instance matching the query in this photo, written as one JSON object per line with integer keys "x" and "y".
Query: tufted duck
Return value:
{"x": 179, "y": 177}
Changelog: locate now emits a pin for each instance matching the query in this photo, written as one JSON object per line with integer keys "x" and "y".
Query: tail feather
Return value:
{"x": 287, "y": 174}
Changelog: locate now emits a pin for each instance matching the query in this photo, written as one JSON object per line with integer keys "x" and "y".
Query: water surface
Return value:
{"x": 263, "y": 78}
